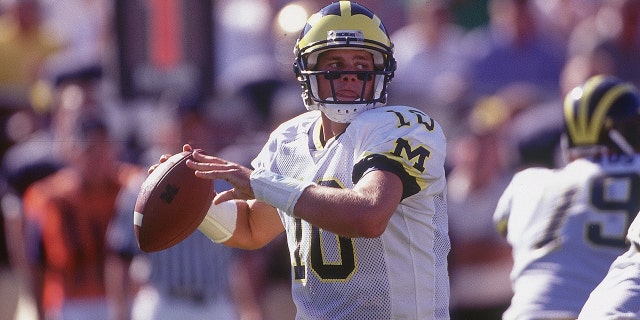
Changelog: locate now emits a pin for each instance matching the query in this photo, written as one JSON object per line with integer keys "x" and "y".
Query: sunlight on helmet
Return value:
{"x": 576, "y": 93}
{"x": 292, "y": 18}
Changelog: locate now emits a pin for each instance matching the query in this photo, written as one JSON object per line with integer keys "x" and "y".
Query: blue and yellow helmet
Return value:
{"x": 343, "y": 25}
{"x": 603, "y": 112}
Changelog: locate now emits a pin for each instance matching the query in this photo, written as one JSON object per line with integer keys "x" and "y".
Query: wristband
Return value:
{"x": 277, "y": 190}
{"x": 220, "y": 221}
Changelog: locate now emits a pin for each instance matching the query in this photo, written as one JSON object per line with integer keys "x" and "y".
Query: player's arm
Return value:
{"x": 232, "y": 219}
{"x": 363, "y": 211}
{"x": 242, "y": 224}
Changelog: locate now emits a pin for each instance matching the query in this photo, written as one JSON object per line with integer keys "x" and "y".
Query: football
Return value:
{"x": 171, "y": 204}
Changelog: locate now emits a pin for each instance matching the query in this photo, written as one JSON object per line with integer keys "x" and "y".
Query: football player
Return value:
{"x": 358, "y": 187}
{"x": 567, "y": 225}
{"x": 618, "y": 294}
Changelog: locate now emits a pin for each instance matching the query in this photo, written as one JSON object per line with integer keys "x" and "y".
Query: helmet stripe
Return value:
{"x": 585, "y": 116}
{"x": 585, "y": 109}
{"x": 602, "y": 109}
{"x": 345, "y": 8}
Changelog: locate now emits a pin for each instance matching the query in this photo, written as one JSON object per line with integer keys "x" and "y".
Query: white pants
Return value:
{"x": 149, "y": 304}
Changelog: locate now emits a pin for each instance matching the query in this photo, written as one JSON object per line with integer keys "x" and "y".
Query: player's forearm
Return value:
{"x": 367, "y": 207}
{"x": 363, "y": 211}
{"x": 257, "y": 224}
{"x": 344, "y": 212}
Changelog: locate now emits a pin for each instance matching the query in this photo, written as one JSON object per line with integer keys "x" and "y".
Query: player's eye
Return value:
{"x": 336, "y": 65}
{"x": 364, "y": 66}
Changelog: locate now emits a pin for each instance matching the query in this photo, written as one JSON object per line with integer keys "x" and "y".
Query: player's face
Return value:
{"x": 347, "y": 87}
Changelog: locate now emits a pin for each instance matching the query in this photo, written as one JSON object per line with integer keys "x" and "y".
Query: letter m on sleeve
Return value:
{"x": 403, "y": 149}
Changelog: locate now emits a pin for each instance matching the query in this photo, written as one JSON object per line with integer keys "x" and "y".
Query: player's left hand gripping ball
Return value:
{"x": 171, "y": 204}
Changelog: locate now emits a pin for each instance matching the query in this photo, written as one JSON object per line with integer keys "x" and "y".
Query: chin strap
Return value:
{"x": 621, "y": 142}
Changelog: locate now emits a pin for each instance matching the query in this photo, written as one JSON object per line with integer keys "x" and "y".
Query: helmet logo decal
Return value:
{"x": 344, "y": 36}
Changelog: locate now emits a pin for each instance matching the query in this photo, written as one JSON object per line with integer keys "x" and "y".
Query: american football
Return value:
{"x": 171, "y": 204}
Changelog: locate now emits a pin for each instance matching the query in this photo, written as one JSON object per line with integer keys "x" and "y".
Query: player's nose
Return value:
{"x": 356, "y": 77}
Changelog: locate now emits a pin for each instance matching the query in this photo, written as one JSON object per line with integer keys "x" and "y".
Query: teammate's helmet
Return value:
{"x": 343, "y": 25}
{"x": 603, "y": 116}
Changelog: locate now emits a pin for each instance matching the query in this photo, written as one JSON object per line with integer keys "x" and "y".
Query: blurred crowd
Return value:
{"x": 493, "y": 73}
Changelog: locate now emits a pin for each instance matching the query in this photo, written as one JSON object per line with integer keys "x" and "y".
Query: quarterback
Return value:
{"x": 358, "y": 187}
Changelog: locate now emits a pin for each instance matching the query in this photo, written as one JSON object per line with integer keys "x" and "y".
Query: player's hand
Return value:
{"x": 210, "y": 167}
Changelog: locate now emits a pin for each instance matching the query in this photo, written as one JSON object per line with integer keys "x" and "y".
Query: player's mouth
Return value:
{"x": 347, "y": 95}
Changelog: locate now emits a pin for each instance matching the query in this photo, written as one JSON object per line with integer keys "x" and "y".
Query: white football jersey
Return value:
{"x": 403, "y": 273}
{"x": 566, "y": 226}
{"x": 618, "y": 295}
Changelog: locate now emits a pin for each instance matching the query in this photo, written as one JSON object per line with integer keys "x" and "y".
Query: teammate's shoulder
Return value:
{"x": 533, "y": 174}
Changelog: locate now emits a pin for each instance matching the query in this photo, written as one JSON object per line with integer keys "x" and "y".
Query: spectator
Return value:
{"x": 25, "y": 46}
{"x": 622, "y": 45}
{"x": 431, "y": 70}
{"x": 480, "y": 259}
{"x": 37, "y": 153}
{"x": 511, "y": 49}
{"x": 191, "y": 280}
{"x": 66, "y": 218}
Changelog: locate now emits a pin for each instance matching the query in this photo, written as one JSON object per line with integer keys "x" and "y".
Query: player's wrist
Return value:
{"x": 277, "y": 190}
{"x": 220, "y": 221}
